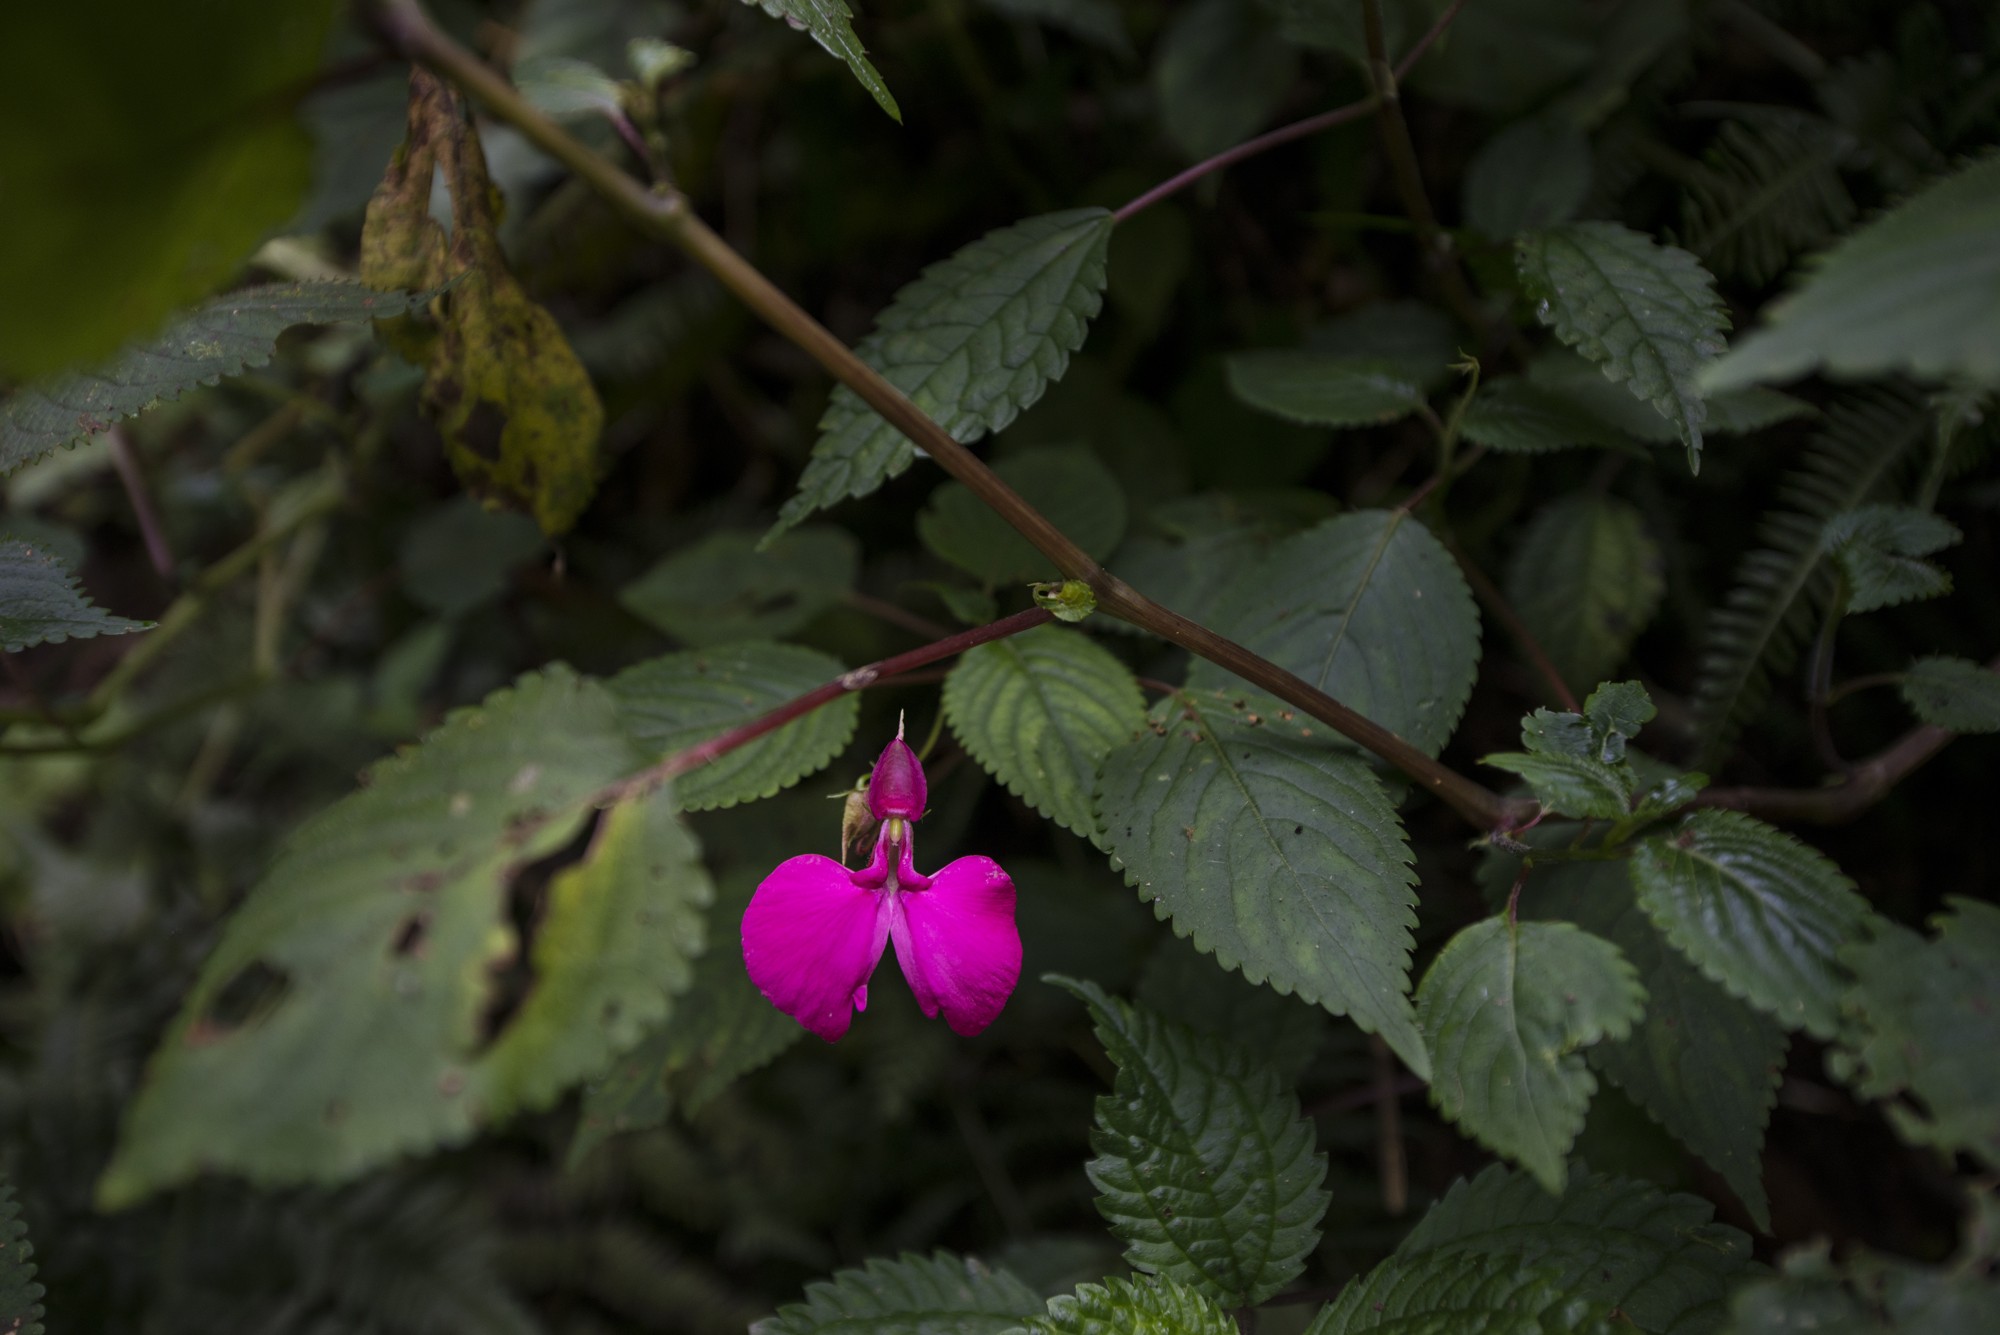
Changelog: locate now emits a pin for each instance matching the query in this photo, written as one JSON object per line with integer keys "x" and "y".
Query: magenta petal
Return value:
{"x": 957, "y": 943}
{"x": 811, "y": 938}
{"x": 897, "y": 788}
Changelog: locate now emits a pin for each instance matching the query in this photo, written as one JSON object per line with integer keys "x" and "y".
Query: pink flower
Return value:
{"x": 815, "y": 930}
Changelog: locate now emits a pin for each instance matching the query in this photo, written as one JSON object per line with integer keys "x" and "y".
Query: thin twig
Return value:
{"x": 1389, "y": 1130}
{"x": 884, "y": 610}
{"x": 133, "y": 479}
{"x": 1503, "y": 611}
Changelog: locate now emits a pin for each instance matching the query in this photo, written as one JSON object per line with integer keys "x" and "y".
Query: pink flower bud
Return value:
{"x": 897, "y": 786}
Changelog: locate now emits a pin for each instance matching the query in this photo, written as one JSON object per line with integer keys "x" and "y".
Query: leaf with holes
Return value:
{"x": 1756, "y": 910}
{"x": 1069, "y": 486}
{"x": 911, "y": 1295}
{"x": 973, "y": 341}
{"x": 379, "y": 963}
{"x": 674, "y": 701}
{"x": 20, "y": 1296}
{"x": 1324, "y": 389}
{"x": 1205, "y": 1166}
{"x": 1508, "y": 1009}
{"x": 1880, "y": 549}
{"x": 1134, "y": 1307}
{"x": 1658, "y": 1259}
{"x": 40, "y": 602}
{"x": 1452, "y": 1293}
{"x": 1040, "y": 711}
{"x": 831, "y": 24}
{"x": 1954, "y": 693}
{"x": 1647, "y": 314}
{"x": 1586, "y": 580}
{"x": 727, "y": 587}
{"x": 1277, "y": 853}
{"x": 1371, "y": 609}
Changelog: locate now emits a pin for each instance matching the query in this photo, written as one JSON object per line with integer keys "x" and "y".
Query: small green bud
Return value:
{"x": 1071, "y": 600}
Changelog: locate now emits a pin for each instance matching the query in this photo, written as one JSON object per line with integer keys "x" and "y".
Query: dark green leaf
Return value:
{"x": 1371, "y": 609}
{"x": 831, "y": 24}
{"x": 940, "y": 1294}
{"x": 677, "y": 700}
{"x": 1415, "y": 341}
{"x": 1768, "y": 187}
{"x": 20, "y": 1305}
{"x": 1507, "y": 1009}
{"x": 1206, "y": 1167}
{"x": 40, "y": 602}
{"x": 1218, "y": 75}
{"x": 727, "y": 587}
{"x": 1277, "y": 853}
{"x": 1586, "y": 580}
{"x": 1460, "y": 1293}
{"x": 1040, "y": 711}
{"x": 1756, "y": 910}
{"x": 1095, "y": 21}
{"x": 1571, "y": 785}
{"x": 1069, "y": 486}
{"x": 1880, "y": 549}
{"x": 1189, "y": 988}
{"x": 1873, "y": 1294}
{"x": 1533, "y": 174}
{"x": 1513, "y": 415}
{"x": 1954, "y": 693}
{"x": 1647, "y": 314}
{"x": 459, "y": 556}
{"x": 1320, "y": 389}
{"x": 1134, "y": 1307}
{"x": 973, "y": 341}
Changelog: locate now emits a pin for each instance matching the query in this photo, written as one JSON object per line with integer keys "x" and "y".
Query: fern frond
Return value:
{"x": 1768, "y": 188}
{"x": 1781, "y": 587}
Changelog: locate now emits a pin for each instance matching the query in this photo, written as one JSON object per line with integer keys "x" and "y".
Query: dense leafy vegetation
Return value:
{"x": 1445, "y": 548}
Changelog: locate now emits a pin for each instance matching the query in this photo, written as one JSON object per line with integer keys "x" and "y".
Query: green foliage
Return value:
{"x": 20, "y": 1305}
{"x": 1322, "y": 389}
{"x": 1040, "y": 711}
{"x": 911, "y": 1295}
{"x": 728, "y": 587}
{"x": 1908, "y": 292}
{"x": 143, "y": 165}
{"x": 1134, "y": 1307}
{"x": 1954, "y": 693}
{"x": 365, "y": 961}
{"x": 1880, "y": 550}
{"x": 1533, "y": 174}
{"x": 1460, "y": 1293}
{"x": 677, "y": 700}
{"x": 1767, "y": 188}
{"x": 1205, "y": 1167}
{"x": 459, "y": 557}
{"x": 1069, "y": 486}
{"x": 1647, "y": 314}
{"x": 1182, "y": 985}
{"x": 1756, "y": 910}
{"x": 40, "y": 602}
{"x": 1577, "y": 766}
{"x": 1506, "y": 1009}
{"x": 1371, "y": 609}
{"x": 973, "y": 341}
{"x": 1095, "y": 21}
{"x": 1218, "y": 75}
{"x": 1586, "y": 580}
{"x": 1921, "y": 1023}
{"x": 1275, "y": 852}
{"x": 831, "y": 24}
{"x": 1514, "y": 415}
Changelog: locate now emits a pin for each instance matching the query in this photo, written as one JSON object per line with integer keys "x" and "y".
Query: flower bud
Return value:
{"x": 896, "y": 788}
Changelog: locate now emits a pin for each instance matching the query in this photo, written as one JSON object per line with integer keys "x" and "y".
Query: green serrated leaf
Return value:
{"x": 677, "y": 700}
{"x": 1460, "y": 1293}
{"x": 1659, "y": 1260}
{"x": 1157, "y": 1306}
{"x": 973, "y": 341}
{"x": 1069, "y": 486}
{"x": 20, "y": 1296}
{"x": 1277, "y": 853}
{"x": 1922, "y": 1025}
{"x": 221, "y": 338}
{"x": 1647, "y": 314}
{"x": 1879, "y": 548}
{"x": 728, "y": 587}
{"x": 1756, "y": 910}
{"x": 1513, "y": 415}
{"x": 1189, "y": 988}
{"x": 1371, "y": 609}
{"x": 40, "y": 602}
{"x": 1507, "y": 1009}
{"x": 831, "y": 24}
{"x": 1571, "y": 785}
{"x": 363, "y": 964}
{"x": 1533, "y": 174}
{"x": 1874, "y": 1294}
{"x": 1323, "y": 389}
{"x": 939, "y": 1294}
{"x": 1586, "y": 580}
{"x": 1911, "y": 291}
{"x": 1040, "y": 711}
{"x": 1954, "y": 693}
{"x": 1205, "y": 1166}
{"x": 1218, "y": 74}
{"x": 1703, "y": 1065}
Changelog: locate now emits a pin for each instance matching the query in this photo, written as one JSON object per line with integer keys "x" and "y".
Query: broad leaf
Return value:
{"x": 1507, "y": 1009}
{"x": 1461, "y": 1293}
{"x": 727, "y": 588}
{"x": 940, "y": 1294}
{"x": 40, "y": 602}
{"x": 1647, "y": 314}
{"x": 1324, "y": 389}
{"x": 224, "y": 337}
{"x": 1874, "y": 1294}
{"x": 1880, "y": 549}
{"x": 460, "y": 555}
{"x": 1756, "y": 910}
{"x": 369, "y": 963}
{"x": 1954, "y": 693}
{"x": 831, "y": 24}
{"x": 1660, "y": 1260}
{"x": 1533, "y": 174}
{"x": 1205, "y": 1166}
{"x": 1277, "y": 853}
{"x": 1571, "y": 785}
{"x": 1923, "y": 1025}
{"x": 1513, "y": 415}
{"x": 1371, "y": 609}
{"x": 973, "y": 341}
{"x": 1218, "y": 75}
{"x": 20, "y": 1296}
{"x": 1912, "y": 291}
{"x": 1133, "y": 1307}
{"x": 1069, "y": 486}
{"x": 1185, "y": 986}
{"x": 1040, "y": 711}
{"x": 1586, "y": 580}
{"x": 673, "y": 702}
